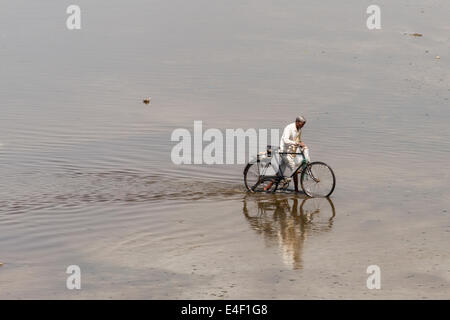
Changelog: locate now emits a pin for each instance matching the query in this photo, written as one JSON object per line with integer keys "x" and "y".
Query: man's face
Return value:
{"x": 299, "y": 124}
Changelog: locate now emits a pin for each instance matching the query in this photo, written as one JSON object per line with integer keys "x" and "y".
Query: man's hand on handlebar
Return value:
{"x": 301, "y": 144}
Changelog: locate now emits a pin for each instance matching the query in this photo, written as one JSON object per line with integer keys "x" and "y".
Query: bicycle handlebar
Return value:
{"x": 290, "y": 152}
{"x": 273, "y": 148}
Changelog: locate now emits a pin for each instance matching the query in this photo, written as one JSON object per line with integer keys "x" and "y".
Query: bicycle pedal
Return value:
{"x": 285, "y": 183}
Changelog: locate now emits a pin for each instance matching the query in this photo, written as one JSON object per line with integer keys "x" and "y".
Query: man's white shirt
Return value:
{"x": 290, "y": 137}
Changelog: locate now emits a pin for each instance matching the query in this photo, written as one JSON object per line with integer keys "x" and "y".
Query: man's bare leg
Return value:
{"x": 296, "y": 182}
{"x": 268, "y": 186}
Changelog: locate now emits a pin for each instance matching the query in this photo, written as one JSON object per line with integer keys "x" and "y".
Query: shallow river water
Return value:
{"x": 87, "y": 177}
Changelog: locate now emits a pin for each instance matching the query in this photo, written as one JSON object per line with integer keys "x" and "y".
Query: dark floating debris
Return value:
{"x": 416, "y": 34}
{"x": 147, "y": 100}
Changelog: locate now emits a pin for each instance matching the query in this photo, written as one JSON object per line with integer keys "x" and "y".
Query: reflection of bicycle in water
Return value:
{"x": 255, "y": 207}
{"x": 288, "y": 222}
{"x": 316, "y": 178}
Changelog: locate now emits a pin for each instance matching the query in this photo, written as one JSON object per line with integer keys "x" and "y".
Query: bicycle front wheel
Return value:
{"x": 318, "y": 180}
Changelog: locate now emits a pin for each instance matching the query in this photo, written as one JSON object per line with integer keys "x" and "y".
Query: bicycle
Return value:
{"x": 317, "y": 179}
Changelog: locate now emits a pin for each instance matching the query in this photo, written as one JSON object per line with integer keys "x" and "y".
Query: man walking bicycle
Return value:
{"x": 290, "y": 141}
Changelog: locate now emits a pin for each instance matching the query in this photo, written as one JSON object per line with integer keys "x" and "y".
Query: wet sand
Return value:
{"x": 87, "y": 177}
{"x": 276, "y": 247}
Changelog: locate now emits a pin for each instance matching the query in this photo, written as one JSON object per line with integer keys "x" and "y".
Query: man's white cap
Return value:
{"x": 300, "y": 118}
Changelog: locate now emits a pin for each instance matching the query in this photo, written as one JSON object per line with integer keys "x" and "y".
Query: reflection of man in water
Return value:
{"x": 290, "y": 141}
{"x": 281, "y": 223}
{"x": 289, "y": 224}
{"x": 291, "y": 235}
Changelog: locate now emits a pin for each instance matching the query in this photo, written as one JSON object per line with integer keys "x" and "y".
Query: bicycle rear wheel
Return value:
{"x": 266, "y": 184}
{"x": 254, "y": 182}
{"x": 318, "y": 180}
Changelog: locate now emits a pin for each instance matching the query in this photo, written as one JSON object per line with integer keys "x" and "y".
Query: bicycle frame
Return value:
{"x": 302, "y": 165}
{"x": 279, "y": 174}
